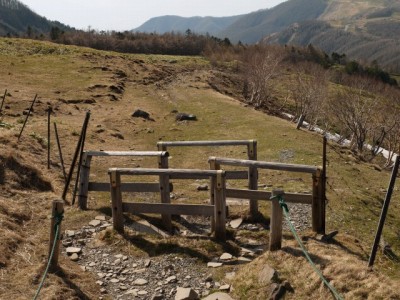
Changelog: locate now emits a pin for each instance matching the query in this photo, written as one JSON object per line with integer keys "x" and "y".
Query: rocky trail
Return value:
{"x": 166, "y": 276}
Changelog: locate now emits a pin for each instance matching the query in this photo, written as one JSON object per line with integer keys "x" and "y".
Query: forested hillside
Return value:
{"x": 16, "y": 19}
{"x": 363, "y": 47}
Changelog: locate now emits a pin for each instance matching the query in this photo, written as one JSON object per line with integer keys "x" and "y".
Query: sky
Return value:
{"x": 122, "y": 15}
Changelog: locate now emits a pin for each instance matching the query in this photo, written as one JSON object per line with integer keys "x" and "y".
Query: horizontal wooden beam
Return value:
{"x": 127, "y": 153}
{"x": 173, "y": 209}
{"x": 264, "y": 195}
{"x": 128, "y": 187}
{"x": 173, "y": 173}
{"x": 265, "y": 165}
{"x": 237, "y": 174}
{"x": 205, "y": 143}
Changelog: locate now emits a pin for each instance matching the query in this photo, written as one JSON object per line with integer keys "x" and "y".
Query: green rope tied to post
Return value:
{"x": 285, "y": 209}
{"x": 58, "y": 217}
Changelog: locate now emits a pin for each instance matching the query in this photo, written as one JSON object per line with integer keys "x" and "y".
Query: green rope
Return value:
{"x": 58, "y": 218}
{"x": 293, "y": 230}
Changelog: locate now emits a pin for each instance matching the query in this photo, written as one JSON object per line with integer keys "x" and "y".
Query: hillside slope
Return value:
{"x": 378, "y": 44}
{"x": 74, "y": 80}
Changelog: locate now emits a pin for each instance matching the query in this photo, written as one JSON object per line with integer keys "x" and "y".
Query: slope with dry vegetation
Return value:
{"x": 74, "y": 80}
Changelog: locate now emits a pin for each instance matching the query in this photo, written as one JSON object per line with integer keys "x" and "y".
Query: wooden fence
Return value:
{"x": 85, "y": 185}
{"x": 316, "y": 199}
{"x": 217, "y": 210}
{"x": 251, "y": 174}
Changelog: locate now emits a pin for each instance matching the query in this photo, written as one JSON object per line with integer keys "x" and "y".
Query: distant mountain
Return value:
{"x": 252, "y": 27}
{"x": 248, "y": 28}
{"x": 364, "y": 30}
{"x": 202, "y": 25}
{"x": 17, "y": 19}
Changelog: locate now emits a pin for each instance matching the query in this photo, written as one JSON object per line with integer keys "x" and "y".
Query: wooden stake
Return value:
{"x": 253, "y": 176}
{"x": 275, "y": 236}
{"x": 318, "y": 204}
{"x": 57, "y": 210}
{"x": 80, "y": 158}
{"x": 60, "y": 152}
{"x": 74, "y": 159}
{"x": 384, "y": 212}
{"x": 49, "y": 110}
{"x": 2, "y": 101}
{"x": 27, "y": 116}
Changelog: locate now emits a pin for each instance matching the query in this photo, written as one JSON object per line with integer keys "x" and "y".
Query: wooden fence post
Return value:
{"x": 275, "y": 236}
{"x": 220, "y": 205}
{"x": 165, "y": 191}
{"x": 56, "y": 213}
{"x": 116, "y": 199}
{"x": 213, "y": 166}
{"x": 318, "y": 203}
{"x": 84, "y": 181}
{"x": 253, "y": 176}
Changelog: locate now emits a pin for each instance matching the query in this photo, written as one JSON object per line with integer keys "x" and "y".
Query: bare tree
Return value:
{"x": 355, "y": 107}
{"x": 390, "y": 120}
{"x": 261, "y": 64}
{"x": 309, "y": 89}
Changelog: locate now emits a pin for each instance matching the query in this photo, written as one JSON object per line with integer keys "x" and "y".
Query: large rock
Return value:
{"x": 141, "y": 114}
{"x": 186, "y": 294}
{"x": 236, "y": 223}
{"x": 185, "y": 117}
{"x": 218, "y": 296}
{"x": 267, "y": 275}
{"x": 140, "y": 281}
{"x": 214, "y": 264}
{"x": 72, "y": 250}
{"x": 226, "y": 256}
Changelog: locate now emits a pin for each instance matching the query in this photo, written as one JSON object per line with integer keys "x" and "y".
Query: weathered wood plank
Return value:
{"x": 266, "y": 165}
{"x": 173, "y": 173}
{"x": 126, "y": 187}
{"x": 204, "y": 143}
{"x": 264, "y": 195}
{"x": 126, "y": 153}
{"x": 237, "y": 174}
{"x": 166, "y": 208}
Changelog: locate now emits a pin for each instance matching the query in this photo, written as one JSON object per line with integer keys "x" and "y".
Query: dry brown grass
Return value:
{"x": 340, "y": 263}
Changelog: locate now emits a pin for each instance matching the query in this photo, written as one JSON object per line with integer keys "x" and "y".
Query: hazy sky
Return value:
{"x": 129, "y": 14}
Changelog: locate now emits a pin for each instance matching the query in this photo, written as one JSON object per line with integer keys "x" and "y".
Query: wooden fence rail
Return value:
{"x": 85, "y": 185}
{"x": 251, "y": 175}
{"x": 217, "y": 210}
{"x": 316, "y": 199}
